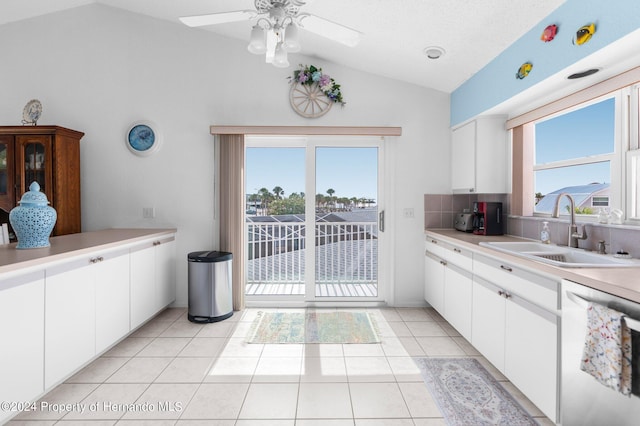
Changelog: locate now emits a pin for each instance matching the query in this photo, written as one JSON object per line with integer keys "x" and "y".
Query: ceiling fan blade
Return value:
{"x": 217, "y": 18}
{"x": 330, "y": 29}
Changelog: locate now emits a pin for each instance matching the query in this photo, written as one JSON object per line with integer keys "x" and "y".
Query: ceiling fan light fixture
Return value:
{"x": 280, "y": 59}
{"x": 434, "y": 52}
{"x": 291, "y": 43}
{"x": 257, "y": 43}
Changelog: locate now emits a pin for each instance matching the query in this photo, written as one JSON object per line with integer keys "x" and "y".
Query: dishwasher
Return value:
{"x": 584, "y": 401}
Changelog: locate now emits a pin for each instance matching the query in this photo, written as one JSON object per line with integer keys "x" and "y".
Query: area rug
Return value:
{"x": 313, "y": 327}
{"x": 467, "y": 394}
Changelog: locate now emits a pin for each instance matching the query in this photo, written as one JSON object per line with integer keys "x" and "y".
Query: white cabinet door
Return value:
{"x": 434, "y": 282}
{"x": 22, "y": 330}
{"x": 165, "y": 272}
{"x": 143, "y": 293}
{"x": 488, "y": 325}
{"x": 69, "y": 320}
{"x": 457, "y": 299}
{"x": 531, "y": 353}
{"x": 463, "y": 158}
{"x": 112, "y": 299}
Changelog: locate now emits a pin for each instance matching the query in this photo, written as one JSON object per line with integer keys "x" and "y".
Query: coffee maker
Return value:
{"x": 487, "y": 218}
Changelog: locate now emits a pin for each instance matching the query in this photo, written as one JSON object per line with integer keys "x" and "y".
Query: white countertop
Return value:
{"x": 622, "y": 282}
{"x": 68, "y": 246}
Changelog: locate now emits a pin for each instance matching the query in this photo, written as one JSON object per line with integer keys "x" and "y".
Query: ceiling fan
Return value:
{"x": 275, "y": 31}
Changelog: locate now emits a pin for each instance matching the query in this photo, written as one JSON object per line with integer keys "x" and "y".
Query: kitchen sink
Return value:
{"x": 562, "y": 256}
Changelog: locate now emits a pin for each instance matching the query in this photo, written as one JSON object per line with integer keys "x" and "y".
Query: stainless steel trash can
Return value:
{"x": 209, "y": 286}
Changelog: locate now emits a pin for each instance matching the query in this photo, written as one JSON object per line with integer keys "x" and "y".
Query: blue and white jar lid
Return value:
{"x": 34, "y": 196}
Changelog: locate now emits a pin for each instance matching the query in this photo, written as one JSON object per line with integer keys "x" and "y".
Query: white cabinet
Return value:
{"x": 448, "y": 283}
{"x": 519, "y": 337}
{"x": 434, "y": 282}
{"x": 152, "y": 279}
{"x": 111, "y": 274}
{"x": 22, "y": 330}
{"x": 479, "y": 156}
{"x": 70, "y": 324}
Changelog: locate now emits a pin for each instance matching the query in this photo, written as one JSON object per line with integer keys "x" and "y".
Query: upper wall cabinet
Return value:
{"x": 49, "y": 155}
{"x": 479, "y": 156}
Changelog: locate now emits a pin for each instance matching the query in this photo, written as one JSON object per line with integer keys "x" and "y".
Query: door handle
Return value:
{"x": 381, "y": 221}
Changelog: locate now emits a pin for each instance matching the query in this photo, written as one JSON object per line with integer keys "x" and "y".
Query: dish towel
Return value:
{"x": 607, "y": 348}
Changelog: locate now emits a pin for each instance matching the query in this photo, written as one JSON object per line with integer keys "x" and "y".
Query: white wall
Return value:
{"x": 98, "y": 69}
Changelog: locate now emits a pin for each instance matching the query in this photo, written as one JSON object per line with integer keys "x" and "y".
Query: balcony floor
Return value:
{"x": 322, "y": 290}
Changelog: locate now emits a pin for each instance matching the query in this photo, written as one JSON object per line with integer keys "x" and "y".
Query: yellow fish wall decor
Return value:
{"x": 524, "y": 70}
{"x": 584, "y": 34}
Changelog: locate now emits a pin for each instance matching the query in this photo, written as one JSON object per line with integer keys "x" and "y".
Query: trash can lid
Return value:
{"x": 209, "y": 256}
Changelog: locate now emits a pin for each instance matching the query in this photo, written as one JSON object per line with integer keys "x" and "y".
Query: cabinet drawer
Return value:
{"x": 539, "y": 290}
{"x": 450, "y": 253}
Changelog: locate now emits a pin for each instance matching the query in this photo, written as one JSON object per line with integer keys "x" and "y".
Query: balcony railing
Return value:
{"x": 346, "y": 256}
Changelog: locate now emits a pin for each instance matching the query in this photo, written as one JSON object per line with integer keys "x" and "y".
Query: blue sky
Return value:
{"x": 351, "y": 172}
{"x": 588, "y": 131}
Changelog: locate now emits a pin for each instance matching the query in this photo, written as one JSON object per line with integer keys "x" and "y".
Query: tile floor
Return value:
{"x": 174, "y": 372}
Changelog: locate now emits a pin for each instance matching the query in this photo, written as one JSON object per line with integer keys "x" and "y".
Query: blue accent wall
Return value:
{"x": 496, "y": 82}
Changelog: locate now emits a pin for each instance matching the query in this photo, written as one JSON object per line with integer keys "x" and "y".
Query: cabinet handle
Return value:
{"x": 504, "y": 294}
{"x": 506, "y": 268}
{"x": 100, "y": 258}
{"x": 457, "y": 250}
{"x": 96, "y": 259}
{"x": 434, "y": 241}
{"x": 442, "y": 262}
{"x": 156, "y": 243}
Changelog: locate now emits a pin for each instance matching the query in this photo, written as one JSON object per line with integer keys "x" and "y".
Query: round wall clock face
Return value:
{"x": 142, "y": 138}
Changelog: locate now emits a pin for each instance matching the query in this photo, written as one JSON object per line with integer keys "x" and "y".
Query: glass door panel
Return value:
{"x": 346, "y": 222}
{"x": 6, "y": 173}
{"x": 275, "y": 221}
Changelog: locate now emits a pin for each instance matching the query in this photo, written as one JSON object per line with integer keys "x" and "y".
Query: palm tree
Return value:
{"x": 331, "y": 191}
{"x": 278, "y": 192}
{"x": 265, "y": 197}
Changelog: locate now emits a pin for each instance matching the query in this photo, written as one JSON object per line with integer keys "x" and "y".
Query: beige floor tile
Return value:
{"x": 278, "y": 370}
{"x": 392, "y": 346}
{"x": 164, "y": 347}
{"x": 282, "y": 350}
{"x": 377, "y": 401}
{"x": 430, "y": 422}
{"x": 108, "y": 401}
{"x": 33, "y": 422}
{"x": 239, "y": 348}
{"x": 325, "y": 369}
{"x": 324, "y": 400}
{"x": 163, "y": 401}
{"x": 400, "y": 329}
{"x": 323, "y": 349}
{"x": 324, "y": 422}
{"x": 368, "y": 369}
{"x": 182, "y": 329}
{"x": 466, "y": 346}
{"x": 98, "y": 371}
{"x": 425, "y": 328}
{"x": 171, "y": 314}
{"x": 209, "y": 422}
{"x": 440, "y": 346}
{"x": 414, "y": 314}
{"x": 152, "y": 329}
{"x": 216, "y": 401}
{"x": 128, "y": 347}
{"x": 216, "y": 329}
{"x": 121, "y": 422}
{"x": 241, "y": 330}
{"x": 270, "y": 422}
{"x": 412, "y": 346}
{"x": 186, "y": 370}
{"x": 66, "y": 393}
{"x": 203, "y": 347}
{"x": 449, "y": 329}
{"x": 384, "y": 422}
{"x": 435, "y": 315}
{"x": 390, "y": 314}
{"x": 232, "y": 370}
{"x": 139, "y": 370}
{"x": 369, "y": 349}
{"x": 405, "y": 369}
{"x": 419, "y": 400}
{"x": 270, "y": 401}
{"x": 88, "y": 422}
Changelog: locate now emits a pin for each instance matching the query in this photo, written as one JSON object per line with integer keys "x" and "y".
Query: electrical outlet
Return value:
{"x": 407, "y": 213}
{"x": 148, "y": 212}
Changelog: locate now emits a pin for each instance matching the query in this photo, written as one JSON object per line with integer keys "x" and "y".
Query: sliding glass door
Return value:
{"x": 313, "y": 218}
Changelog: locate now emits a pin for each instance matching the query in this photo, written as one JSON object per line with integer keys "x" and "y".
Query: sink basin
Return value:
{"x": 562, "y": 256}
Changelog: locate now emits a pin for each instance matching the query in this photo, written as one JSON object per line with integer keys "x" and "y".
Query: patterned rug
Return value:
{"x": 313, "y": 327}
{"x": 468, "y": 395}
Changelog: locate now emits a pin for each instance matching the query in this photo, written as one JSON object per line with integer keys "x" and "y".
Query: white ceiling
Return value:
{"x": 395, "y": 32}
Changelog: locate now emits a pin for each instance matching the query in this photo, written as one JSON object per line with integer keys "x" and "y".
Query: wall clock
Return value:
{"x": 143, "y": 138}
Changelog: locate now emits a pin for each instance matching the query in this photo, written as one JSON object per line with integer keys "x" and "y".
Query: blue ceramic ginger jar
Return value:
{"x": 33, "y": 220}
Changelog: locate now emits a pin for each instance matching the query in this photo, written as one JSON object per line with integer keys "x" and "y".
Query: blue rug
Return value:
{"x": 467, "y": 394}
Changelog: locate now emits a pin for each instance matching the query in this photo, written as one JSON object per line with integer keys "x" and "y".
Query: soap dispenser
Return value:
{"x": 545, "y": 235}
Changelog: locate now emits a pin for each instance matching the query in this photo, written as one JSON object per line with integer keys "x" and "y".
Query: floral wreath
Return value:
{"x": 309, "y": 74}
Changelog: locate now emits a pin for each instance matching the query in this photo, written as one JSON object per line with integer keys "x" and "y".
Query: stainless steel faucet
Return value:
{"x": 573, "y": 228}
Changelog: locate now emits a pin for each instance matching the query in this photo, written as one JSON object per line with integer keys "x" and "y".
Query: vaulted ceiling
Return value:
{"x": 394, "y": 32}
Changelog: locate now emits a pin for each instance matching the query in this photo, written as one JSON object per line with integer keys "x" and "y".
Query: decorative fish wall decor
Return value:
{"x": 549, "y": 33}
{"x": 584, "y": 34}
{"x": 524, "y": 70}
